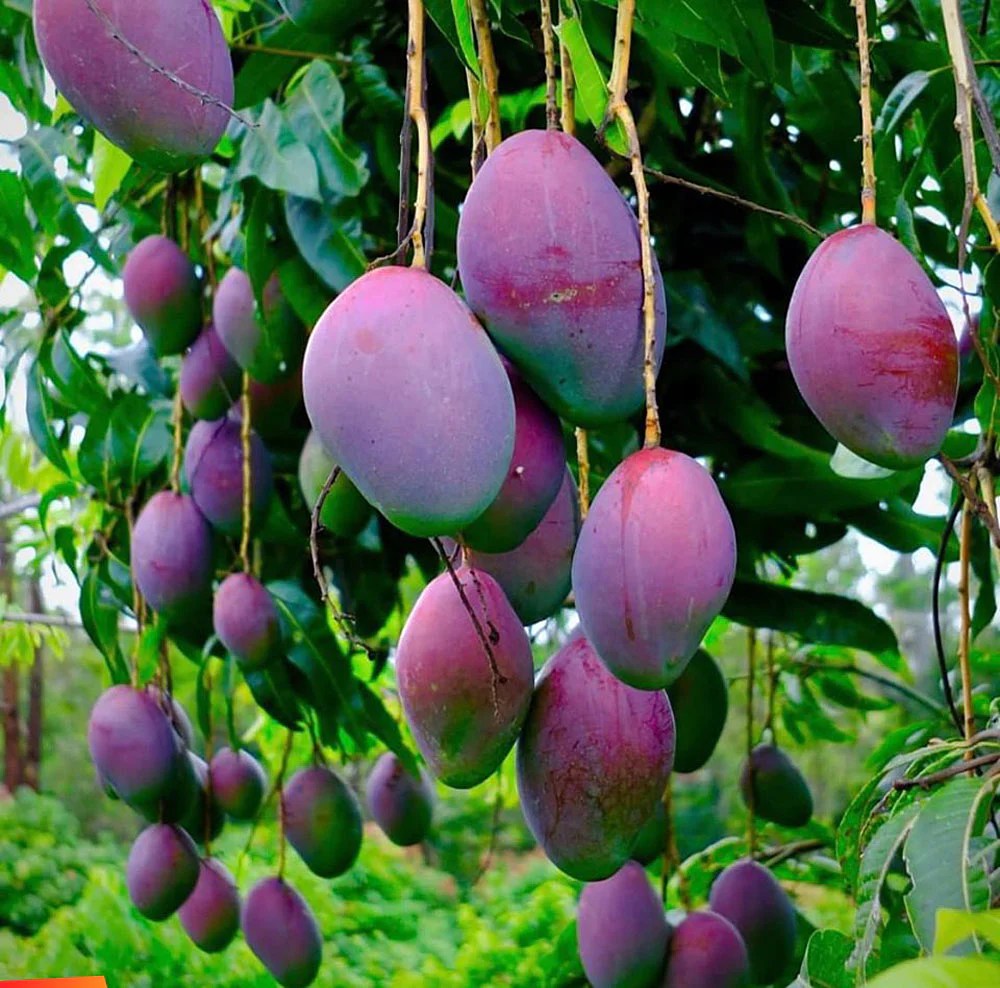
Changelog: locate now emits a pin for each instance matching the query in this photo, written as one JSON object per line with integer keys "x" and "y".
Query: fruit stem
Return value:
{"x": 138, "y": 603}
{"x": 207, "y": 676}
{"x": 247, "y": 473}
{"x": 867, "y": 152}
{"x": 988, "y": 488}
{"x": 568, "y": 100}
{"x": 339, "y": 617}
{"x": 416, "y": 88}
{"x": 618, "y": 109}
{"x": 208, "y": 244}
{"x": 279, "y": 788}
{"x": 548, "y": 44}
{"x": 966, "y": 92}
{"x": 949, "y": 528}
{"x": 497, "y": 677}
{"x": 583, "y": 469}
{"x": 478, "y": 154}
{"x": 671, "y": 856}
{"x": 965, "y": 551}
{"x": 490, "y": 73}
{"x": 177, "y": 421}
{"x": 751, "y": 672}
{"x": 772, "y": 684}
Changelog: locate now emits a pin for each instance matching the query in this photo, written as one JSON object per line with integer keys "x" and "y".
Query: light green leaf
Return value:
{"x": 111, "y": 165}
{"x": 463, "y": 27}
{"x": 941, "y": 972}
{"x": 274, "y": 154}
{"x": 825, "y": 962}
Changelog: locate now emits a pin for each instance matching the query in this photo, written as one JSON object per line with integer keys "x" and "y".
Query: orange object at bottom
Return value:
{"x": 57, "y": 982}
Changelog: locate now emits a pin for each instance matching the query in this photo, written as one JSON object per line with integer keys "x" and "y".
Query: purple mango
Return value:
{"x": 706, "y": 951}
{"x": 238, "y": 783}
{"x": 211, "y": 913}
{"x": 592, "y": 762}
{"x": 410, "y": 398}
{"x": 322, "y": 820}
{"x": 162, "y": 870}
{"x": 400, "y": 804}
{"x": 246, "y": 620}
{"x": 281, "y": 930}
{"x": 653, "y": 566}
{"x": 210, "y": 378}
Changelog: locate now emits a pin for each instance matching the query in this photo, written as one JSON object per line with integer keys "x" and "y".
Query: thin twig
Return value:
{"x": 567, "y": 107}
{"x": 772, "y": 684}
{"x": 478, "y": 153}
{"x": 304, "y": 56}
{"x": 416, "y": 82}
{"x": 968, "y": 490}
{"x": 865, "y": 99}
{"x": 965, "y": 625}
{"x": 548, "y": 46}
{"x": 751, "y": 813}
{"x": 707, "y": 190}
{"x": 949, "y": 527}
{"x": 19, "y": 505}
{"x": 490, "y": 73}
{"x": 43, "y": 620}
{"x": 959, "y": 768}
{"x": 487, "y": 860}
{"x": 853, "y": 670}
{"x": 772, "y": 857}
{"x": 245, "y": 435}
{"x": 279, "y": 787}
{"x": 618, "y": 109}
{"x": 583, "y": 469}
{"x": 199, "y": 94}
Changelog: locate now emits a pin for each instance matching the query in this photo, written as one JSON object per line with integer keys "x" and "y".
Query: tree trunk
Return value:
{"x": 36, "y": 683}
{"x": 12, "y": 761}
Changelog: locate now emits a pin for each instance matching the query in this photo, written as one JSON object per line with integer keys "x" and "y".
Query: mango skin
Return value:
{"x": 238, "y": 783}
{"x": 162, "y": 870}
{"x": 653, "y": 566}
{"x": 322, "y": 821}
{"x": 144, "y": 112}
{"x": 163, "y": 294}
{"x": 872, "y": 349}
{"x": 401, "y": 805}
{"x": 213, "y": 466}
{"x": 592, "y": 761}
{"x": 211, "y": 914}
{"x": 535, "y": 576}
{"x": 345, "y": 512}
{"x": 622, "y": 931}
{"x": 780, "y": 793}
{"x": 706, "y": 951}
{"x": 133, "y": 746}
{"x": 549, "y": 256}
{"x": 245, "y": 618}
{"x": 462, "y": 717}
{"x": 533, "y": 478}
{"x": 172, "y": 556}
{"x": 266, "y": 344}
{"x": 410, "y": 398}
{"x": 281, "y": 930}
{"x": 210, "y": 378}
{"x": 700, "y": 701}
{"x": 749, "y": 896}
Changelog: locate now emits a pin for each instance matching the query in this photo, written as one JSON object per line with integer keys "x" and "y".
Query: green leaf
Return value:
{"x": 825, "y": 962}
{"x": 702, "y": 62}
{"x": 941, "y": 972}
{"x": 274, "y": 154}
{"x": 939, "y": 851}
{"x": 463, "y": 29}
{"x": 382, "y": 725}
{"x": 327, "y": 240}
{"x": 111, "y": 165}
{"x": 797, "y": 22}
{"x": 315, "y": 113}
{"x": 272, "y": 688}
{"x": 42, "y": 419}
{"x": 903, "y": 95}
{"x": 17, "y": 245}
{"x": 99, "y": 615}
{"x": 955, "y": 925}
{"x": 872, "y": 873}
{"x": 591, "y": 86}
{"x": 816, "y": 617}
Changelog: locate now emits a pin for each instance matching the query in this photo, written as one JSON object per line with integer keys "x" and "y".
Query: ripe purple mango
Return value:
{"x": 345, "y": 512}
{"x": 211, "y": 913}
{"x": 536, "y": 575}
{"x": 592, "y": 762}
{"x": 699, "y": 699}
{"x": 749, "y": 896}
{"x": 213, "y": 466}
{"x": 872, "y": 349}
{"x": 162, "y": 870}
{"x": 410, "y": 398}
{"x": 172, "y": 556}
{"x": 204, "y": 817}
{"x": 549, "y": 255}
{"x": 399, "y": 803}
{"x": 281, "y": 931}
{"x": 245, "y": 619}
{"x": 142, "y": 110}
{"x": 533, "y": 479}
{"x": 163, "y": 294}
{"x": 621, "y": 930}
{"x": 464, "y": 716}
{"x": 780, "y": 793}
{"x": 706, "y": 951}
{"x": 176, "y": 714}
{"x": 210, "y": 378}
{"x": 322, "y": 821}
{"x": 133, "y": 747}
{"x": 267, "y": 344}
{"x": 653, "y": 566}
{"x": 238, "y": 783}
